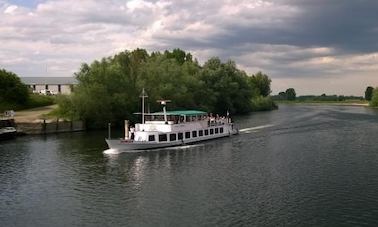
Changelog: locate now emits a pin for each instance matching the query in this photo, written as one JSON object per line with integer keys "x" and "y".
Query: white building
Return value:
{"x": 50, "y": 85}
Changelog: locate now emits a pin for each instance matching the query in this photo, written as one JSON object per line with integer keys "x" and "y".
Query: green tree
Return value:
{"x": 369, "y": 93}
{"x": 374, "y": 99}
{"x": 226, "y": 87}
{"x": 12, "y": 90}
{"x": 291, "y": 94}
{"x": 109, "y": 89}
{"x": 261, "y": 84}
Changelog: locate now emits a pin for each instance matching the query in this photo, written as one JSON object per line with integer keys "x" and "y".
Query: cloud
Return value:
{"x": 291, "y": 40}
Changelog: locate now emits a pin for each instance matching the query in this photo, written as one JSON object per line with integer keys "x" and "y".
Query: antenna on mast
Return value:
{"x": 164, "y": 103}
{"x": 143, "y": 95}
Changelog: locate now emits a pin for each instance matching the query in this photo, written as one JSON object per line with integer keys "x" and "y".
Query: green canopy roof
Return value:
{"x": 181, "y": 113}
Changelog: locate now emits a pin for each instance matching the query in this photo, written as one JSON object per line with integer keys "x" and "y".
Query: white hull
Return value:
{"x": 130, "y": 146}
{"x": 7, "y": 133}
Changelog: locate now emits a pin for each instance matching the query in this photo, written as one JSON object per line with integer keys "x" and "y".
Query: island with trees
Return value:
{"x": 108, "y": 90}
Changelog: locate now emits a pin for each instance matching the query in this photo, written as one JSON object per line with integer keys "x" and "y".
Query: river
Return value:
{"x": 302, "y": 165}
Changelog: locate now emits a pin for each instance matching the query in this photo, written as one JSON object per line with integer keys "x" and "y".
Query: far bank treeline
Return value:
{"x": 109, "y": 90}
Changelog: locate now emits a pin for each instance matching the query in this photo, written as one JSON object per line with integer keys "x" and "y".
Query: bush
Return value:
{"x": 13, "y": 93}
{"x": 374, "y": 99}
{"x": 261, "y": 103}
{"x": 36, "y": 100}
{"x": 66, "y": 108}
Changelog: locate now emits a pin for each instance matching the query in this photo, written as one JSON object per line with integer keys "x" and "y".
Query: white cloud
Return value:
{"x": 59, "y": 35}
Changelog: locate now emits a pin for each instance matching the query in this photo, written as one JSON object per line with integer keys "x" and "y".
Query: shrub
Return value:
{"x": 261, "y": 103}
{"x": 374, "y": 99}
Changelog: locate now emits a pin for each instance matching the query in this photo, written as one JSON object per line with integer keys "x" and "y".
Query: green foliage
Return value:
{"x": 261, "y": 103}
{"x": 66, "y": 109}
{"x": 225, "y": 87}
{"x": 369, "y": 93}
{"x": 36, "y": 100}
{"x": 109, "y": 90}
{"x": 15, "y": 95}
{"x": 13, "y": 92}
{"x": 291, "y": 94}
{"x": 261, "y": 84}
{"x": 374, "y": 99}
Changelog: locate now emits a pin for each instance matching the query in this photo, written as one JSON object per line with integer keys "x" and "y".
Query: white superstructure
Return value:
{"x": 173, "y": 128}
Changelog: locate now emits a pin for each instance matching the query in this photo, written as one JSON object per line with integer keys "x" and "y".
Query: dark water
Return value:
{"x": 309, "y": 166}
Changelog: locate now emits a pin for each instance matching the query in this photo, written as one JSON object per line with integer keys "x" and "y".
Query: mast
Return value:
{"x": 143, "y": 95}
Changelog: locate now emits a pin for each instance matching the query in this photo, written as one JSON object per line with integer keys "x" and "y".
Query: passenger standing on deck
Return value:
{"x": 132, "y": 130}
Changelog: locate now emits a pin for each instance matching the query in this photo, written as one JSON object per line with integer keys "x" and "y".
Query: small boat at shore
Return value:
{"x": 172, "y": 128}
{"x": 7, "y": 126}
{"x": 7, "y": 133}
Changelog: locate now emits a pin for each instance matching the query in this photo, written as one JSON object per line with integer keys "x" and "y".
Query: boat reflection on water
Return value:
{"x": 135, "y": 167}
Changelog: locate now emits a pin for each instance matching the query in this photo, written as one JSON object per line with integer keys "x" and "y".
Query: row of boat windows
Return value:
{"x": 188, "y": 135}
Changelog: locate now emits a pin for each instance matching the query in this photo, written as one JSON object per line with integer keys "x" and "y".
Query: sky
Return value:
{"x": 314, "y": 46}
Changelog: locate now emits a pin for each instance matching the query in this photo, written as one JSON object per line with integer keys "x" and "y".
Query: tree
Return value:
{"x": 261, "y": 83}
{"x": 109, "y": 89}
{"x": 12, "y": 90}
{"x": 290, "y": 94}
{"x": 282, "y": 95}
{"x": 374, "y": 99}
{"x": 369, "y": 93}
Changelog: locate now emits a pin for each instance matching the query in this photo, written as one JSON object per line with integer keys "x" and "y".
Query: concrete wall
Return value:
{"x": 50, "y": 127}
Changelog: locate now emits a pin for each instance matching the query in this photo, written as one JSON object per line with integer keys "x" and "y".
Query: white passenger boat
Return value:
{"x": 172, "y": 128}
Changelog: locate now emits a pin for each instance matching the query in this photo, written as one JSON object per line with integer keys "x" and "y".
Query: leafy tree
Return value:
{"x": 12, "y": 90}
{"x": 374, "y": 99}
{"x": 261, "y": 84}
{"x": 369, "y": 93}
{"x": 226, "y": 86}
{"x": 108, "y": 90}
{"x": 290, "y": 94}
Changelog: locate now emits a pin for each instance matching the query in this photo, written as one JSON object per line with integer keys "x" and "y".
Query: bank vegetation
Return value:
{"x": 108, "y": 90}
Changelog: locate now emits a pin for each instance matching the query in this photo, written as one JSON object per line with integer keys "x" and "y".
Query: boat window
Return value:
{"x": 221, "y": 130}
{"x": 200, "y": 132}
{"x": 172, "y": 137}
{"x": 151, "y": 138}
{"x": 180, "y": 135}
{"x": 187, "y": 135}
{"x": 194, "y": 133}
{"x": 206, "y": 132}
{"x": 216, "y": 130}
{"x": 211, "y": 131}
{"x": 163, "y": 137}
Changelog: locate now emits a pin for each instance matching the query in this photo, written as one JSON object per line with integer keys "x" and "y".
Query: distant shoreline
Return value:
{"x": 360, "y": 104}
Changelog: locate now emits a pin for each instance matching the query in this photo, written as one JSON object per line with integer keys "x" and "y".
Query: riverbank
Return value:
{"x": 38, "y": 121}
{"x": 333, "y": 103}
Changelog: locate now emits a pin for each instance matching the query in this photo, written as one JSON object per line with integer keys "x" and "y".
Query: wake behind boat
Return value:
{"x": 172, "y": 128}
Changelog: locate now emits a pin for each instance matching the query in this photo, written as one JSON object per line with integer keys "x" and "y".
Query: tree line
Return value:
{"x": 371, "y": 95}
{"x": 108, "y": 90}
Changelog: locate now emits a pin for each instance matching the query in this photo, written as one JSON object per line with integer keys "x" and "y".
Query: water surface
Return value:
{"x": 297, "y": 166}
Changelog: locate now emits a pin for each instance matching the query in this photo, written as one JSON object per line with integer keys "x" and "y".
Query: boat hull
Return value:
{"x": 7, "y": 133}
{"x": 132, "y": 146}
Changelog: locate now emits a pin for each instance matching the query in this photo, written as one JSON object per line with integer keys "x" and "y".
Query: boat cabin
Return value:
{"x": 178, "y": 125}
{"x": 175, "y": 117}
